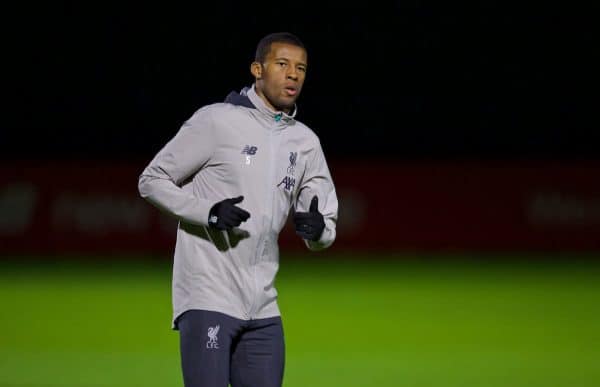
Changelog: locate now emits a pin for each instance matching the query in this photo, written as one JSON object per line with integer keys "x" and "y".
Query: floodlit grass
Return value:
{"x": 348, "y": 322}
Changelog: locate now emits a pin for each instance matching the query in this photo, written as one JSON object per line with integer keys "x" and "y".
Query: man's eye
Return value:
{"x": 281, "y": 63}
{"x": 303, "y": 69}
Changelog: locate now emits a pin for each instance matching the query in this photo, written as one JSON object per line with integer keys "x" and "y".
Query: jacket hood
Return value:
{"x": 240, "y": 99}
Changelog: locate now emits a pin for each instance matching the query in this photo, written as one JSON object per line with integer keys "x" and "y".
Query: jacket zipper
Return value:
{"x": 266, "y": 224}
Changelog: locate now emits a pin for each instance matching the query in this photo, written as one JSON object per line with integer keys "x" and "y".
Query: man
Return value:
{"x": 230, "y": 176}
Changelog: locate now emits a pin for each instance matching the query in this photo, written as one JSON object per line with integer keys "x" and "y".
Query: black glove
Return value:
{"x": 310, "y": 225}
{"x": 224, "y": 215}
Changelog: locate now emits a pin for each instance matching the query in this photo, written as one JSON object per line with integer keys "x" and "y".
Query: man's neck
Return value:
{"x": 267, "y": 102}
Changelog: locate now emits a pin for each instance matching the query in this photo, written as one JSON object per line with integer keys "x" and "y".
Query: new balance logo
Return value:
{"x": 249, "y": 150}
{"x": 288, "y": 182}
{"x": 212, "y": 337}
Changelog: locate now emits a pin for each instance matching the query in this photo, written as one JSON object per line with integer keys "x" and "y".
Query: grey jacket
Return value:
{"x": 240, "y": 147}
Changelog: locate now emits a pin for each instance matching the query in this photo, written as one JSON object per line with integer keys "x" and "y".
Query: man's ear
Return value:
{"x": 256, "y": 70}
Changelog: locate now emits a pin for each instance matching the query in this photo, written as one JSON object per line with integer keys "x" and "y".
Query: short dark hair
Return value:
{"x": 264, "y": 46}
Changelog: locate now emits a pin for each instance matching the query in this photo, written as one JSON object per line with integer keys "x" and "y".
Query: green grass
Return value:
{"x": 348, "y": 322}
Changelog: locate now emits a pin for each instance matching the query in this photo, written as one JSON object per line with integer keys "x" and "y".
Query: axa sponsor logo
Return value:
{"x": 288, "y": 183}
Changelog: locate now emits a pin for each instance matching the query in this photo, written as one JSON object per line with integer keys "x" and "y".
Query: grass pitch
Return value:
{"x": 348, "y": 321}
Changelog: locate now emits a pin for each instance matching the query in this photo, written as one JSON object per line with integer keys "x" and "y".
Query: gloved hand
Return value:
{"x": 310, "y": 225}
{"x": 224, "y": 215}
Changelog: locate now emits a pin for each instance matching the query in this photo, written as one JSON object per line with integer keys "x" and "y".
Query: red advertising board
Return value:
{"x": 92, "y": 207}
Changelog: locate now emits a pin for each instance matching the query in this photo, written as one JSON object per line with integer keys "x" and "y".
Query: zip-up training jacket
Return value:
{"x": 239, "y": 147}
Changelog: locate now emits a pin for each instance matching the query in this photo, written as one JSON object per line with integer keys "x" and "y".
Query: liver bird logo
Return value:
{"x": 293, "y": 157}
{"x": 212, "y": 337}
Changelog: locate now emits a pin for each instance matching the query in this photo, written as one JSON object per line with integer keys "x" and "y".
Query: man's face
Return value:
{"x": 280, "y": 78}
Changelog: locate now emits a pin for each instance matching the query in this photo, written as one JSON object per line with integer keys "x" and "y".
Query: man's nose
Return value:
{"x": 292, "y": 74}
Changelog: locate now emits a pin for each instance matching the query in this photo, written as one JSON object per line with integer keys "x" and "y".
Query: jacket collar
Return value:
{"x": 248, "y": 97}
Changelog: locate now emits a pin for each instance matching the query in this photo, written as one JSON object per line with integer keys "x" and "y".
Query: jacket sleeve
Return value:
{"x": 186, "y": 153}
{"x": 317, "y": 181}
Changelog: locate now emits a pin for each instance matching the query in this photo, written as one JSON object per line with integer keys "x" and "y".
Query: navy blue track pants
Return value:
{"x": 218, "y": 350}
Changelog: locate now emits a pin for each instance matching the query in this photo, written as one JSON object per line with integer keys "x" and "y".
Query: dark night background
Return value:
{"x": 462, "y": 139}
{"x": 405, "y": 80}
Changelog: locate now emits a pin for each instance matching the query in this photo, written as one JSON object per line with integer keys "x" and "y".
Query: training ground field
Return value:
{"x": 399, "y": 321}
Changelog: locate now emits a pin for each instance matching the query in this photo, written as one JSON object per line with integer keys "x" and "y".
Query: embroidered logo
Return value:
{"x": 249, "y": 150}
{"x": 293, "y": 157}
{"x": 212, "y": 337}
{"x": 288, "y": 182}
